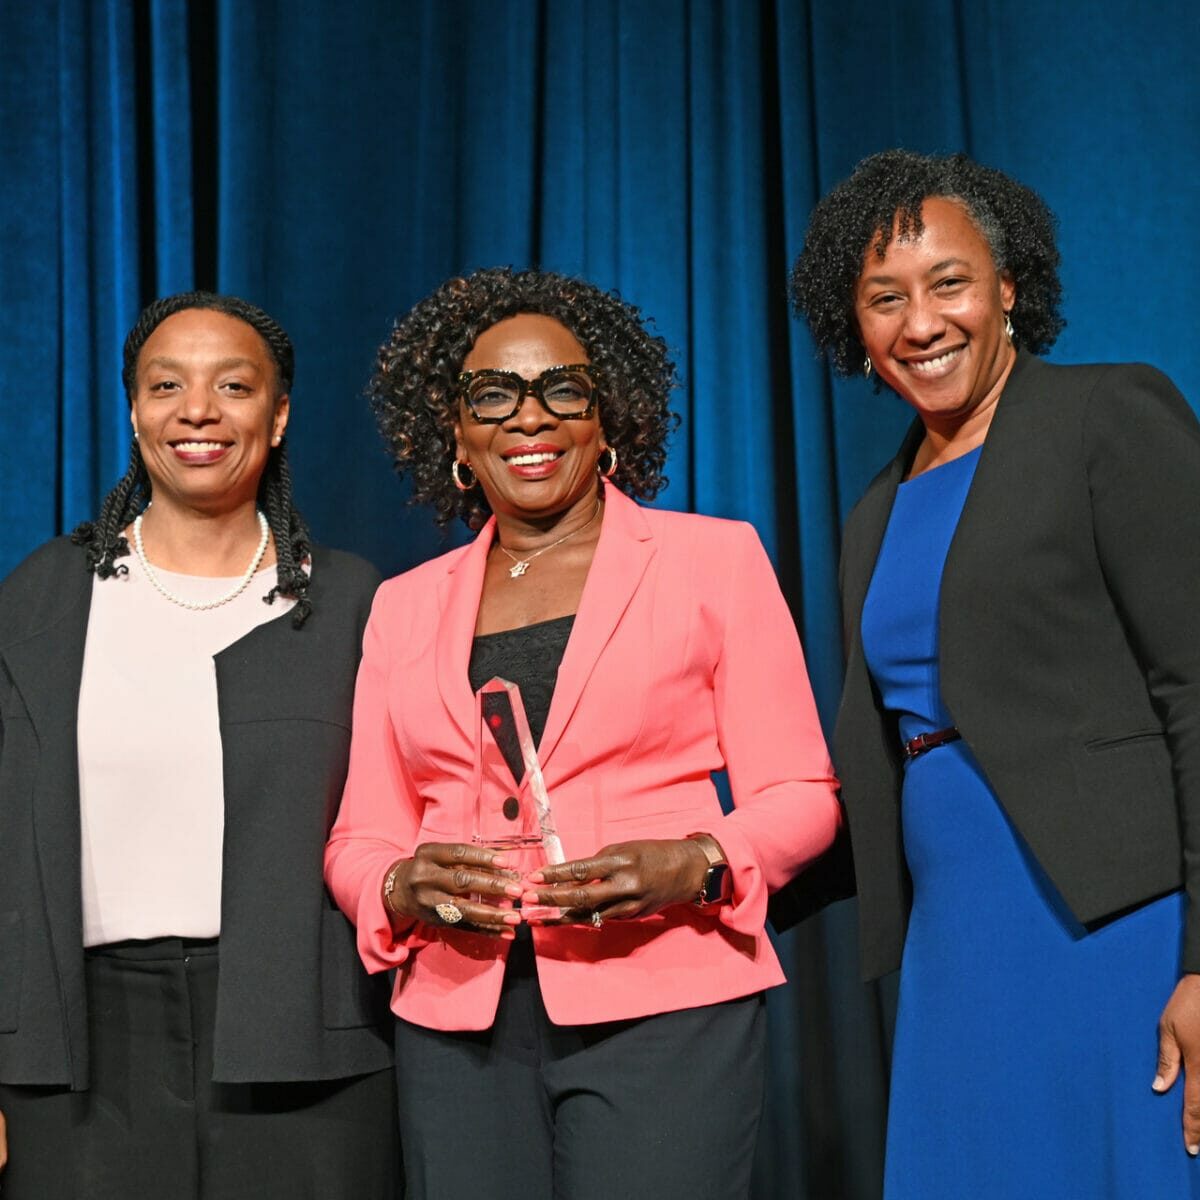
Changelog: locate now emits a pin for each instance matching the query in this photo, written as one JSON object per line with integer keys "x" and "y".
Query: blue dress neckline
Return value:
{"x": 971, "y": 456}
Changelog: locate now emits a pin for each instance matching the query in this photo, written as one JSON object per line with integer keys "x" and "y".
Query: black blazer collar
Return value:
{"x": 865, "y": 533}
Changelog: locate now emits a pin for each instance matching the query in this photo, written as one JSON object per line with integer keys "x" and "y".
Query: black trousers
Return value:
{"x": 661, "y": 1108}
{"x": 153, "y": 1125}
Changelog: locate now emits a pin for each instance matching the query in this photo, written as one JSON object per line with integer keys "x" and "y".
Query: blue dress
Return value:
{"x": 1025, "y": 1046}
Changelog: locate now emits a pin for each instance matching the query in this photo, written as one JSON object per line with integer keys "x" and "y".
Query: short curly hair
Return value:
{"x": 885, "y": 192}
{"x": 414, "y": 390}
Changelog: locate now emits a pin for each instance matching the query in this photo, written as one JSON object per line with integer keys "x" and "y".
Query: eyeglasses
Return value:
{"x": 567, "y": 392}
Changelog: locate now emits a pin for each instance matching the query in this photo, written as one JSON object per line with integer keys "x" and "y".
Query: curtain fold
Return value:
{"x": 335, "y": 164}
{"x": 169, "y": 112}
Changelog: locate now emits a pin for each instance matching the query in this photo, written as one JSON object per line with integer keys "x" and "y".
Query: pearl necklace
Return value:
{"x": 521, "y": 565}
{"x": 201, "y": 605}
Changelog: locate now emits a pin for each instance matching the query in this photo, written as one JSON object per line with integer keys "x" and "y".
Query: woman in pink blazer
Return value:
{"x": 616, "y": 1048}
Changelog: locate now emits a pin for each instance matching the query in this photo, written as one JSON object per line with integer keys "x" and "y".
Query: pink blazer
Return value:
{"x": 683, "y": 660}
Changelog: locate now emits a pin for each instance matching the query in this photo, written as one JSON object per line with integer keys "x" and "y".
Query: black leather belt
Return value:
{"x": 929, "y": 741}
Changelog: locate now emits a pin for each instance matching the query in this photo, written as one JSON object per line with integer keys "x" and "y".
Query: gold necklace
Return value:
{"x": 521, "y": 565}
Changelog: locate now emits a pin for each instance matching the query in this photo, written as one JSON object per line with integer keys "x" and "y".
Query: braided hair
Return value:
{"x": 103, "y": 539}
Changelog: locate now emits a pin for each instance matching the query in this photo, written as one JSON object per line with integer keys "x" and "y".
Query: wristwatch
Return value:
{"x": 717, "y": 887}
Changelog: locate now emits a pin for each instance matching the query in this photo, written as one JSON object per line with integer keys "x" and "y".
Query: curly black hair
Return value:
{"x": 103, "y": 540}
{"x": 414, "y": 391}
{"x": 884, "y": 193}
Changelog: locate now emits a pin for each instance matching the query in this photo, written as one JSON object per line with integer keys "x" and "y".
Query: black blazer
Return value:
{"x": 293, "y": 1001}
{"x": 1069, "y": 641}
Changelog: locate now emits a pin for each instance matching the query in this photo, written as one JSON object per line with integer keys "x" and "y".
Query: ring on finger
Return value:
{"x": 451, "y": 914}
{"x": 597, "y": 920}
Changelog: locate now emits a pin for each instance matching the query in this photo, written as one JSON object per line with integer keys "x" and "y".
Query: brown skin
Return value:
{"x": 1179, "y": 1048}
{"x": 935, "y": 295}
{"x": 622, "y": 881}
{"x": 204, "y": 376}
{"x": 442, "y": 872}
{"x": 940, "y": 294}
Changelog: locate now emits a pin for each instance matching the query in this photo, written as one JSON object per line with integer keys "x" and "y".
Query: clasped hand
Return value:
{"x": 619, "y": 882}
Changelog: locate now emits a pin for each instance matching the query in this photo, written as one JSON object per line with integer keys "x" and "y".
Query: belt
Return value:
{"x": 929, "y": 741}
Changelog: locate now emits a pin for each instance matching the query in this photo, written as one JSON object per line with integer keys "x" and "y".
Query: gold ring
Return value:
{"x": 450, "y": 913}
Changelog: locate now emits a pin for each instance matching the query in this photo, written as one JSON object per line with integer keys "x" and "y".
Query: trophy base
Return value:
{"x": 527, "y": 854}
{"x": 515, "y": 842}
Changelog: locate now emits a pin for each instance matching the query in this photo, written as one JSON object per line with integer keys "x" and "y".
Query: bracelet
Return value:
{"x": 389, "y": 886}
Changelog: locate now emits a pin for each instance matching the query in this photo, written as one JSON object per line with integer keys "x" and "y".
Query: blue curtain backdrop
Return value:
{"x": 333, "y": 163}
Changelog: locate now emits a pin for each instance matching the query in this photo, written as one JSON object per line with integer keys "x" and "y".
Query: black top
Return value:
{"x": 529, "y": 657}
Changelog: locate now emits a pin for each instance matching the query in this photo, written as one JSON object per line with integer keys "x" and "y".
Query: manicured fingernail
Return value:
{"x": 530, "y": 898}
{"x": 1159, "y": 1084}
{"x": 536, "y": 877}
{"x": 499, "y": 860}
{"x": 512, "y": 918}
{"x": 1194, "y": 1149}
{"x": 508, "y": 936}
{"x": 515, "y": 890}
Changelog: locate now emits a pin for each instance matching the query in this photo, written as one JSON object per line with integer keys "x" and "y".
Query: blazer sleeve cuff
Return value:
{"x": 739, "y": 833}
{"x": 379, "y": 945}
{"x": 746, "y": 911}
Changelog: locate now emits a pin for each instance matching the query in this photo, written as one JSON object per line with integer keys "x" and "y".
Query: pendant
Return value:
{"x": 518, "y": 568}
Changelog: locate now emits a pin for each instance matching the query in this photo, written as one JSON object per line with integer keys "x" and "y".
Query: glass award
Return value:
{"x": 512, "y": 806}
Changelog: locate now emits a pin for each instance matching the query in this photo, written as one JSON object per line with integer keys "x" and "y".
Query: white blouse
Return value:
{"x": 151, "y": 791}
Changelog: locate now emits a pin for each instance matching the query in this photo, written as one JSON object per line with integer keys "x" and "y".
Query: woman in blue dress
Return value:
{"x": 1019, "y": 736}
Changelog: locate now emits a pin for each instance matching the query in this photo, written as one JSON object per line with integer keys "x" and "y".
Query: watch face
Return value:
{"x": 717, "y": 885}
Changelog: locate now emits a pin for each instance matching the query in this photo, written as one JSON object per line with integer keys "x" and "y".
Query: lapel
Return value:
{"x": 865, "y": 534}
{"x": 46, "y": 669}
{"x": 983, "y": 502}
{"x": 458, "y": 609}
{"x": 623, "y": 551}
{"x": 990, "y": 496}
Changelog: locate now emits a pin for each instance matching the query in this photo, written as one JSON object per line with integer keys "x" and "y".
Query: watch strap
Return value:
{"x": 717, "y": 885}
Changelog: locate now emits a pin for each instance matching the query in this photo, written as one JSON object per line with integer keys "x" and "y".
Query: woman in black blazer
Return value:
{"x": 182, "y": 1009}
{"x": 1019, "y": 735}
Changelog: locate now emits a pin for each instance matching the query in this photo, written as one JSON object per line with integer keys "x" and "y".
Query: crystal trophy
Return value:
{"x": 512, "y": 806}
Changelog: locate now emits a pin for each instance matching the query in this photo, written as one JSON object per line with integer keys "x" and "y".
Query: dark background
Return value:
{"x": 333, "y": 162}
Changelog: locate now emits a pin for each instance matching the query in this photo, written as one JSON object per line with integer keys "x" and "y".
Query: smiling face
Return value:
{"x": 206, "y": 410}
{"x": 534, "y": 465}
{"x": 931, "y": 316}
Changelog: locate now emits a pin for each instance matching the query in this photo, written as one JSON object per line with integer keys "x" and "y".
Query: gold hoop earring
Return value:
{"x": 609, "y": 471}
{"x": 456, "y": 473}
{"x": 866, "y": 366}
